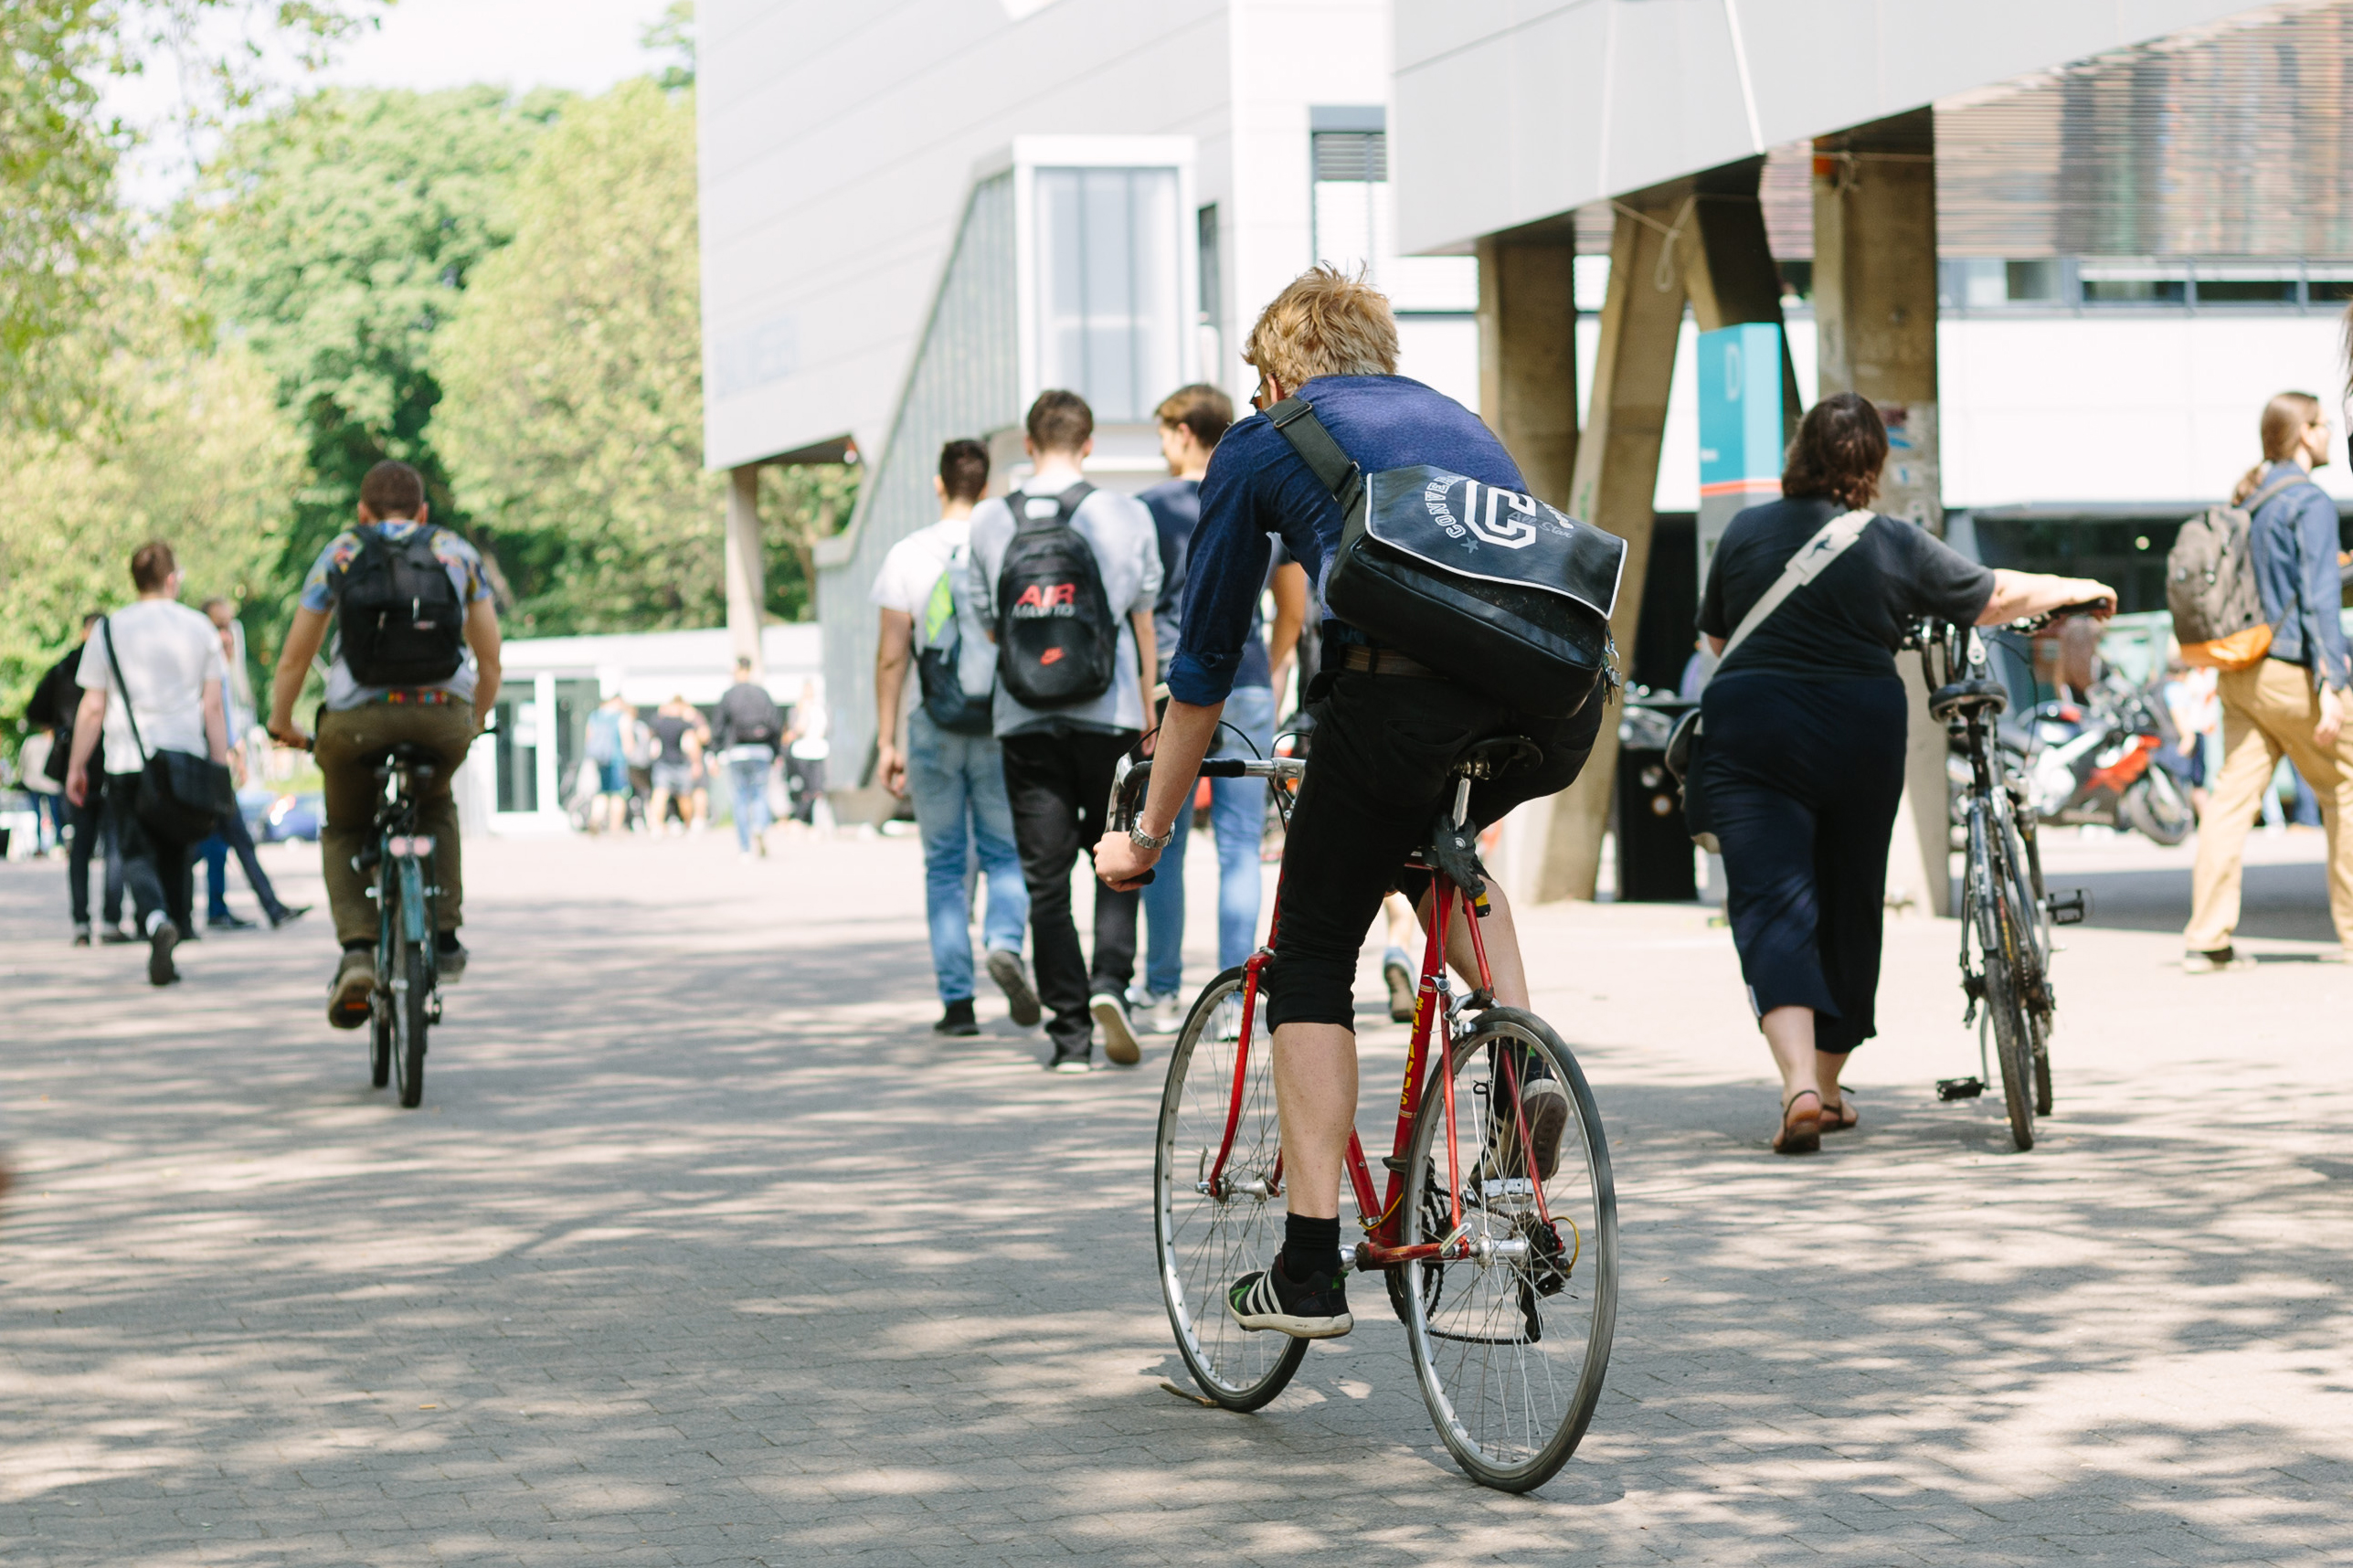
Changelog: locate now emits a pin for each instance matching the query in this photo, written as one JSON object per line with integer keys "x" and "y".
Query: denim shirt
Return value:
{"x": 2293, "y": 543}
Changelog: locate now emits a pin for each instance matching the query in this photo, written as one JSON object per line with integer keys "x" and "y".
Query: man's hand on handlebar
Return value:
{"x": 286, "y": 733}
{"x": 1122, "y": 862}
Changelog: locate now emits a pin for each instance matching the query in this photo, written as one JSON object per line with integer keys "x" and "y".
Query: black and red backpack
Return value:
{"x": 1057, "y": 640}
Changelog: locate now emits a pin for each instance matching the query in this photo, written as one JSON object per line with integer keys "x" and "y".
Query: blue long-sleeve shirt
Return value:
{"x": 1257, "y": 487}
{"x": 2293, "y": 544}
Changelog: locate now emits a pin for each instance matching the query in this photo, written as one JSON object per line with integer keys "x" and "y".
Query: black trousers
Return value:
{"x": 159, "y": 873}
{"x": 1803, "y": 778}
{"x": 93, "y": 829}
{"x": 1378, "y": 774}
{"x": 1058, "y": 784}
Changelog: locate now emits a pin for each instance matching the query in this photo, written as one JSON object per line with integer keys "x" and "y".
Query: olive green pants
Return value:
{"x": 350, "y": 744}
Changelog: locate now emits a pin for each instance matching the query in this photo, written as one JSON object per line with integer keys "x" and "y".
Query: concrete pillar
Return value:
{"x": 1617, "y": 479}
{"x": 1528, "y": 356}
{"x": 1875, "y": 309}
{"x": 747, "y": 577}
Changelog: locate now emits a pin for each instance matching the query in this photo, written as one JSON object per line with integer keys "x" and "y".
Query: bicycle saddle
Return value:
{"x": 419, "y": 760}
{"x": 1496, "y": 757}
{"x": 1979, "y": 696}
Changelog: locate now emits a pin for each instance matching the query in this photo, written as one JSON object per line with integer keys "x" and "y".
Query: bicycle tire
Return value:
{"x": 1998, "y": 943}
{"x": 379, "y": 1040}
{"x": 1205, "y": 1241}
{"x": 2034, "y": 918}
{"x": 412, "y": 988}
{"x": 1510, "y": 1381}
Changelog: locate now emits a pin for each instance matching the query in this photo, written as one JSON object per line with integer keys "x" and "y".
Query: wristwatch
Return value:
{"x": 1143, "y": 840}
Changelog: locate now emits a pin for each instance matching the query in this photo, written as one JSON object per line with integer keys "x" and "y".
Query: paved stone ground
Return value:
{"x": 705, "y": 1250}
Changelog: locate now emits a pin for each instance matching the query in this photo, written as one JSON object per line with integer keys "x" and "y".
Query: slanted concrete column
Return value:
{"x": 1875, "y": 306}
{"x": 1617, "y": 480}
{"x": 1528, "y": 356}
{"x": 747, "y": 577}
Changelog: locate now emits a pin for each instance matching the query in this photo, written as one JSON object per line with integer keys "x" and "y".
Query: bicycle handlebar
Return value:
{"x": 2064, "y": 612}
{"x": 1133, "y": 780}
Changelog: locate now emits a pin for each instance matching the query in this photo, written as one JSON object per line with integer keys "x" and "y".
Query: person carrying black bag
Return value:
{"x": 166, "y": 745}
{"x": 1802, "y": 733}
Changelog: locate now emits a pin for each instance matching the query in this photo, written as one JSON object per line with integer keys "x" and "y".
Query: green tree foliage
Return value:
{"x": 573, "y": 420}
{"x": 58, "y": 225}
{"x": 338, "y": 237}
{"x": 190, "y": 448}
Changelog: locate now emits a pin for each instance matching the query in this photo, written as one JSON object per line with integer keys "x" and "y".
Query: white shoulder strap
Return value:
{"x": 1804, "y": 567}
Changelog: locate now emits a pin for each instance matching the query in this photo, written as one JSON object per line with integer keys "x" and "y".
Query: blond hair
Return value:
{"x": 1324, "y": 324}
{"x": 2285, "y": 420}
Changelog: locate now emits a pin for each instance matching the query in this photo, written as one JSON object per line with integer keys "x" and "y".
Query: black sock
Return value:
{"x": 364, "y": 944}
{"x": 1310, "y": 1248}
{"x": 446, "y": 942}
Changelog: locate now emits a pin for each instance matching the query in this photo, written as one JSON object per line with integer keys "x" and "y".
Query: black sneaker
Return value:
{"x": 1020, "y": 998}
{"x": 228, "y": 921}
{"x": 1079, "y": 1061}
{"x": 160, "y": 943}
{"x": 1270, "y": 1299}
{"x": 287, "y": 913}
{"x": 82, "y": 935}
{"x": 115, "y": 936}
{"x": 957, "y": 1020}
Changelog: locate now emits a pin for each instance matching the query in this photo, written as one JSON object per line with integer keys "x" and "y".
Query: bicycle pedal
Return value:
{"x": 1959, "y": 1088}
{"x": 1396, "y": 1162}
{"x": 2067, "y": 908}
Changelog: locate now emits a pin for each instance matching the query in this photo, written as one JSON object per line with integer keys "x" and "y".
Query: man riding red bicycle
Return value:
{"x": 1389, "y": 733}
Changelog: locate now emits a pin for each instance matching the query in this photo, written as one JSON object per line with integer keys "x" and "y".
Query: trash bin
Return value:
{"x": 1654, "y": 848}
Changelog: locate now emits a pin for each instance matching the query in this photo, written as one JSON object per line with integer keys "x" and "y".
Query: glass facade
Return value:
{"x": 1109, "y": 294}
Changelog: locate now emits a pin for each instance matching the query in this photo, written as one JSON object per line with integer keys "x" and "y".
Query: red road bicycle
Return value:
{"x": 1503, "y": 1273}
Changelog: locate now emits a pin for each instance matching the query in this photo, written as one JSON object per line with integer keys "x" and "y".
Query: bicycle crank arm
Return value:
{"x": 1371, "y": 1255}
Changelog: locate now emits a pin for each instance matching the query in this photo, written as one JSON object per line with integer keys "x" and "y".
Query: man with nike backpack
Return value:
{"x": 1067, "y": 575}
{"x": 410, "y": 604}
{"x": 950, "y": 766}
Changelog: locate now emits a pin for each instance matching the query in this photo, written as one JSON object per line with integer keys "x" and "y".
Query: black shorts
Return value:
{"x": 1379, "y": 770}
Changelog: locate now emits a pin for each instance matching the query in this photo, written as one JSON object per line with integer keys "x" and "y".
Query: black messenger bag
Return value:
{"x": 1495, "y": 590}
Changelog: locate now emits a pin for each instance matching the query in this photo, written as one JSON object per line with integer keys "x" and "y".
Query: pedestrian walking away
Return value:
{"x": 806, "y": 749}
{"x": 950, "y": 766}
{"x": 1804, "y": 724}
{"x": 2291, "y": 701}
{"x": 1065, "y": 576}
{"x": 1192, "y": 420}
{"x": 1389, "y": 732}
{"x": 151, "y": 679}
{"x": 233, "y": 834}
{"x": 677, "y": 762}
{"x": 614, "y": 732}
{"x": 57, "y": 701}
{"x": 418, "y": 659}
{"x": 750, "y": 729}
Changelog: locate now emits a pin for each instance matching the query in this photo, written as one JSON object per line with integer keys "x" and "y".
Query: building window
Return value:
{"x": 1352, "y": 212}
{"x": 2220, "y": 283}
{"x": 2135, "y": 283}
{"x": 1212, "y": 278}
{"x": 1109, "y": 296}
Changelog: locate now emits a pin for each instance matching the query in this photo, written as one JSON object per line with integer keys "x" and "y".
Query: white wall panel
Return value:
{"x": 1509, "y": 112}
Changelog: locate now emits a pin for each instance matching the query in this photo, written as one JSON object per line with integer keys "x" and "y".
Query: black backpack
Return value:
{"x": 939, "y": 668}
{"x": 1057, "y": 640}
{"x": 401, "y": 621}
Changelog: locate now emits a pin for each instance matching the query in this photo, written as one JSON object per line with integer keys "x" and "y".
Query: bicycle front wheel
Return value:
{"x": 2005, "y": 953}
{"x": 1512, "y": 1343}
{"x": 1213, "y": 1223}
{"x": 411, "y": 981}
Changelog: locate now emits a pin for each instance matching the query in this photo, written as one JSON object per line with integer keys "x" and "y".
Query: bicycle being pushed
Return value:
{"x": 2006, "y": 913}
{"x": 1502, "y": 1267}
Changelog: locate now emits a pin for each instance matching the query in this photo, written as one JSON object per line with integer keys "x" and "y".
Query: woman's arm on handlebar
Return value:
{"x": 2017, "y": 595}
{"x": 1186, "y": 734}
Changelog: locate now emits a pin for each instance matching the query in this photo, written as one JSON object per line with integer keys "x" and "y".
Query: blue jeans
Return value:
{"x": 958, "y": 783}
{"x": 749, "y": 777}
{"x": 1237, "y": 815}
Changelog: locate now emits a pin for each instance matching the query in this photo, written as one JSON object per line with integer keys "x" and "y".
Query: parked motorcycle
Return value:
{"x": 2095, "y": 763}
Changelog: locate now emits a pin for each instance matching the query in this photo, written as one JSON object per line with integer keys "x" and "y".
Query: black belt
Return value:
{"x": 1359, "y": 658}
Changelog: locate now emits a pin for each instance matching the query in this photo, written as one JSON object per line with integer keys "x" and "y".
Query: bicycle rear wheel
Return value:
{"x": 1511, "y": 1344}
{"x": 411, "y": 981}
{"x": 1208, "y": 1237}
{"x": 2003, "y": 953}
{"x": 379, "y": 1039}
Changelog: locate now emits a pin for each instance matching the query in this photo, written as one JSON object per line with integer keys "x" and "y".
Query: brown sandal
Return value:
{"x": 1842, "y": 1117}
{"x": 1802, "y": 1133}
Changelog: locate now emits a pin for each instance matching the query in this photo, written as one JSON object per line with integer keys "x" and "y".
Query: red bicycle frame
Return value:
{"x": 1382, "y": 1247}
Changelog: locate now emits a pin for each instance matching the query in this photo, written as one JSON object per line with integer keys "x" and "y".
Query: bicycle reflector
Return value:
{"x": 418, "y": 845}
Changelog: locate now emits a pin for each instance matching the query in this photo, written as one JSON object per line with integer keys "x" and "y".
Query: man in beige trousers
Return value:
{"x": 2292, "y": 703}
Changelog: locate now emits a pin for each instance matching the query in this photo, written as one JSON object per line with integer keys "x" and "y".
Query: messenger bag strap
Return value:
{"x": 1296, "y": 419}
{"x": 1827, "y": 545}
{"x": 106, "y": 625}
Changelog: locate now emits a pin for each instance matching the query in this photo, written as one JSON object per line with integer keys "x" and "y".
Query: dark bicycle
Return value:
{"x": 400, "y": 861}
{"x": 2007, "y": 913}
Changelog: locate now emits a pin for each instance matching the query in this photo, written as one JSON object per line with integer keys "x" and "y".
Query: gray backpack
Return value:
{"x": 2209, "y": 584}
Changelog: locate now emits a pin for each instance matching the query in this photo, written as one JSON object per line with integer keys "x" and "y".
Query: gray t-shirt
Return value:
{"x": 1127, "y": 553}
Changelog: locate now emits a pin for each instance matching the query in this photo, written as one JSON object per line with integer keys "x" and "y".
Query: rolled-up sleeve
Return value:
{"x": 2320, "y": 589}
{"x": 1226, "y": 570}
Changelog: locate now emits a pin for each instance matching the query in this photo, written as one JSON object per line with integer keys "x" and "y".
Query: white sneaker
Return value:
{"x": 1111, "y": 1010}
{"x": 1167, "y": 1014}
